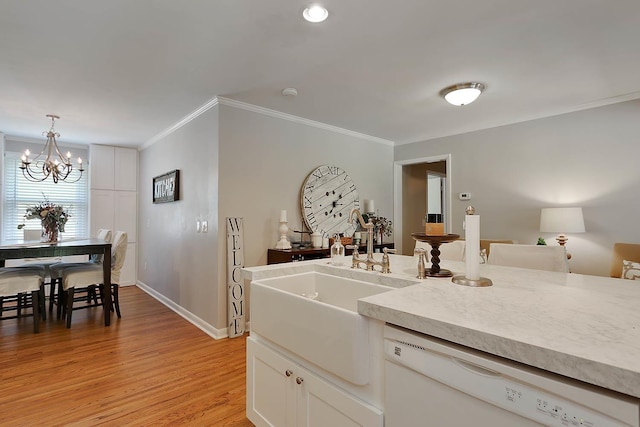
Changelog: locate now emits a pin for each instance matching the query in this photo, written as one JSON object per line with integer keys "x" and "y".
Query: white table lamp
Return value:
{"x": 561, "y": 220}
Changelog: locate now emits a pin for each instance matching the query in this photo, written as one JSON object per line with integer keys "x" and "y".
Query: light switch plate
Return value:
{"x": 198, "y": 226}
{"x": 205, "y": 226}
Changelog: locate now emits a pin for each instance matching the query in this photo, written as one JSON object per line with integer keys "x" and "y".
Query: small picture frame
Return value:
{"x": 166, "y": 187}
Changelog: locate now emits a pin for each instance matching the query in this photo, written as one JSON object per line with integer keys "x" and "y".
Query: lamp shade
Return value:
{"x": 561, "y": 220}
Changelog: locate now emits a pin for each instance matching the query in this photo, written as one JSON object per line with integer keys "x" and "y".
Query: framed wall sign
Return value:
{"x": 235, "y": 282}
{"x": 166, "y": 187}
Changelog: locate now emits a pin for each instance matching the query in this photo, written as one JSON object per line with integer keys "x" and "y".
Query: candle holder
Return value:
{"x": 283, "y": 243}
{"x": 435, "y": 241}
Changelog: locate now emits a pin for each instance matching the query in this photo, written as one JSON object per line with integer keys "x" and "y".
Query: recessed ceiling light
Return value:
{"x": 315, "y": 13}
{"x": 462, "y": 93}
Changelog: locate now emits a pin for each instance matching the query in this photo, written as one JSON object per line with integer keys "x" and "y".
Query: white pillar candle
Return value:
{"x": 370, "y": 206}
{"x": 283, "y": 216}
{"x": 472, "y": 249}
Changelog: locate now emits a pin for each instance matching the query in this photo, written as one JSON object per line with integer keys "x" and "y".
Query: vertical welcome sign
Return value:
{"x": 235, "y": 282}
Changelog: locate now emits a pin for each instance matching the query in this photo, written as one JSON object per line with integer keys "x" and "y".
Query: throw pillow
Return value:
{"x": 630, "y": 270}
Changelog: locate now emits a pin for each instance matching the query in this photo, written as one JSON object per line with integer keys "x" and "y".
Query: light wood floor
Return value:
{"x": 158, "y": 370}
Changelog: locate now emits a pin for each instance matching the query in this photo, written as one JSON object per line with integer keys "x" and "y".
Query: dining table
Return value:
{"x": 19, "y": 249}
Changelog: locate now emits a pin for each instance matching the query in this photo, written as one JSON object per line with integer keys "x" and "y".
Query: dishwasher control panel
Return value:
{"x": 550, "y": 410}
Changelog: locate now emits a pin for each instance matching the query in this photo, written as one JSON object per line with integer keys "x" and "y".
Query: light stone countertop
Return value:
{"x": 582, "y": 327}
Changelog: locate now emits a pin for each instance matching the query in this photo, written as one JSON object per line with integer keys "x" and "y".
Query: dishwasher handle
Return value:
{"x": 476, "y": 369}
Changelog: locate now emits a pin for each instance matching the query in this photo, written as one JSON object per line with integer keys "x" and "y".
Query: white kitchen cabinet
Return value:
{"x": 114, "y": 210}
{"x": 126, "y": 213}
{"x": 283, "y": 393}
{"x": 113, "y": 168}
{"x": 101, "y": 161}
{"x": 125, "y": 169}
{"x": 102, "y": 210}
{"x": 114, "y": 198}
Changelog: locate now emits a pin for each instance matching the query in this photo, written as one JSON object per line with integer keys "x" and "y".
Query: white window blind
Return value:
{"x": 20, "y": 193}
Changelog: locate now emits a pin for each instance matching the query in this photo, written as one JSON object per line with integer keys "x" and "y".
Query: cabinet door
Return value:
{"x": 270, "y": 387}
{"x": 101, "y": 167}
{"x": 125, "y": 213}
{"x": 126, "y": 169}
{"x": 102, "y": 211}
{"x": 320, "y": 404}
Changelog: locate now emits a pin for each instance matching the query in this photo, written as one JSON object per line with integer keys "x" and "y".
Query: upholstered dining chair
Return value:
{"x": 624, "y": 252}
{"x": 537, "y": 257}
{"x": 56, "y": 270}
{"x": 16, "y": 283}
{"x": 82, "y": 278}
{"x": 486, "y": 244}
{"x": 452, "y": 251}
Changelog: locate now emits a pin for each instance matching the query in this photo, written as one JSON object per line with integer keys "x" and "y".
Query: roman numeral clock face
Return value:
{"x": 328, "y": 196}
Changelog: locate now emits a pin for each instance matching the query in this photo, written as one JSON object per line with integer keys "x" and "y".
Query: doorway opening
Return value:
{"x": 422, "y": 186}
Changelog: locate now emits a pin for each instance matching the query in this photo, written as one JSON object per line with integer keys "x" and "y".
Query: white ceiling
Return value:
{"x": 122, "y": 71}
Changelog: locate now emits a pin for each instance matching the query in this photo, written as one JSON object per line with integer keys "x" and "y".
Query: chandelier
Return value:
{"x": 54, "y": 165}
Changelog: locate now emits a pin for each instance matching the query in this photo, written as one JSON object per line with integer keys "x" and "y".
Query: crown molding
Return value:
{"x": 168, "y": 131}
{"x": 301, "y": 120}
{"x": 218, "y": 100}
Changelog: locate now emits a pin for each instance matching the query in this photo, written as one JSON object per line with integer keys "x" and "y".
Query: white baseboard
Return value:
{"x": 187, "y": 315}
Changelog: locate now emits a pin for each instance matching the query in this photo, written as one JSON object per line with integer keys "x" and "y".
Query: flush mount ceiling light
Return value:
{"x": 462, "y": 93}
{"x": 315, "y": 13}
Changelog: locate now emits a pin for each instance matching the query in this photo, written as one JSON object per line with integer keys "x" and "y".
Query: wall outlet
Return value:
{"x": 205, "y": 226}
{"x": 464, "y": 196}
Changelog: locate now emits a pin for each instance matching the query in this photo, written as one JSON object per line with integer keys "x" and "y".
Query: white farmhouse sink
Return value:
{"x": 314, "y": 315}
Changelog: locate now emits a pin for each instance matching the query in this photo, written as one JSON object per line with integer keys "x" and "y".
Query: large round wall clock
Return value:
{"x": 327, "y": 197}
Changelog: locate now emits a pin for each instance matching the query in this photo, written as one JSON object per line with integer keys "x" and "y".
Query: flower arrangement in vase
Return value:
{"x": 381, "y": 226}
{"x": 52, "y": 218}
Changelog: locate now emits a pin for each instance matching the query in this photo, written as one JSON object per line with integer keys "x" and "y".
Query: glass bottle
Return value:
{"x": 337, "y": 251}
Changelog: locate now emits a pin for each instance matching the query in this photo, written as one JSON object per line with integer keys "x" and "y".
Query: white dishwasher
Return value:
{"x": 430, "y": 382}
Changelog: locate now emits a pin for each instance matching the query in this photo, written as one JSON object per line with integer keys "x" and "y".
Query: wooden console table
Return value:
{"x": 277, "y": 256}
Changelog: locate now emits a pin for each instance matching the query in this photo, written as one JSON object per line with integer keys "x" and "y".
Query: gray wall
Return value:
{"x": 237, "y": 163}
{"x": 173, "y": 259}
{"x": 263, "y": 163}
{"x": 587, "y": 158}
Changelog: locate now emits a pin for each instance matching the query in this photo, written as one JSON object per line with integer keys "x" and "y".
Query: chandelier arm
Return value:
{"x": 46, "y": 146}
{"x": 62, "y": 158}
{"x": 28, "y": 174}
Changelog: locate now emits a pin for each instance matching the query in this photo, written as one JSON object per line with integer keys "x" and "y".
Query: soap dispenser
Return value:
{"x": 337, "y": 251}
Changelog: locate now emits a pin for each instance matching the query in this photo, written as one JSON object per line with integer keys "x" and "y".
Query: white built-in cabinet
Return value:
{"x": 114, "y": 198}
{"x": 283, "y": 393}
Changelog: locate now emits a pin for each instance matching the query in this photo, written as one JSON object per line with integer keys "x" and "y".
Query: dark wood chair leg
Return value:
{"x": 52, "y": 293}
{"x": 61, "y": 299}
{"x": 19, "y": 301}
{"x": 94, "y": 290}
{"x": 70, "y": 293}
{"x": 43, "y": 303}
{"x": 35, "y": 299}
{"x": 116, "y": 300}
